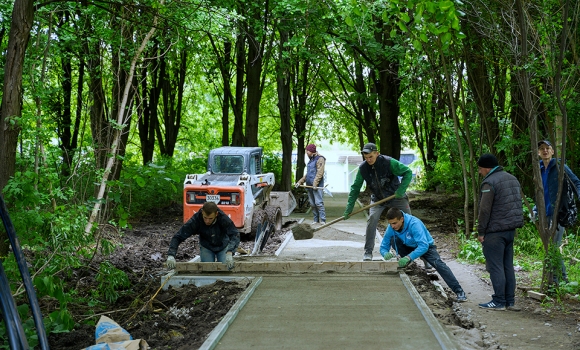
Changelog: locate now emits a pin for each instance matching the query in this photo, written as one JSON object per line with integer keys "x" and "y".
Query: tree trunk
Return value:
{"x": 283, "y": 84}
{"x": 117, "y": 103}
{"x": 147, "y": 121}
{"x": 121, "y": 117}
{"x": 254, "y": 91}
{"x": 388, "y": 91}
{"x": 238, "y": 105}
{"x": 480, "y": 86}
{"x": 459, "y": 144}
{"x": 96, "y": 96}
{"x": 227, "y": 96}
{"x": 172, "y": 80}
{"x": 22, "y": 17}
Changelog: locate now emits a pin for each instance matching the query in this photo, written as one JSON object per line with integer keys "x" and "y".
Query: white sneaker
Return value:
{"x": 368, "y": 257}
{"x": 313, "y": 223}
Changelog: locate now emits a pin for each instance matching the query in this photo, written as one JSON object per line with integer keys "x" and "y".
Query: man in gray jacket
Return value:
{"x": 500, "y": 213}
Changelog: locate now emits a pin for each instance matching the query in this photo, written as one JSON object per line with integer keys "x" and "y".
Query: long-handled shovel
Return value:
{"x": 305, "y": 231}
{"x": 324, "y": 189}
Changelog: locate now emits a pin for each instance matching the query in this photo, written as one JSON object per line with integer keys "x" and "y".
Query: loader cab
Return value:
{"x": 228, "y": 164}
{"x": 235, "y": 160}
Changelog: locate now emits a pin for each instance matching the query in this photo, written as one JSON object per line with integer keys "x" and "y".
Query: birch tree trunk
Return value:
{"x": 121, "y": 122}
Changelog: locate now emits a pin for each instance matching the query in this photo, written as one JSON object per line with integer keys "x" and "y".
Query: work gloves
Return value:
{"x": 347, "y": 211}
{"x": 388, "y": 256}
{"x": 229, "y": 260}
{"x": 404, "y": 261}
{"x": 170, "y": 262}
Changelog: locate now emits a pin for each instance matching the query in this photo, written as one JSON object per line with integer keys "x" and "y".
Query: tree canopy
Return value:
{"x": 117, "y": 93}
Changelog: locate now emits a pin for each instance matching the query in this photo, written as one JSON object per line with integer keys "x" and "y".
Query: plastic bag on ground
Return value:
{"x": 110, "y": 336}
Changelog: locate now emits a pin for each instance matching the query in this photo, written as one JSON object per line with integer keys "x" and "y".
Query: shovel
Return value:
{"x": 305, "y": 231}
{"x": 326, "y": 190}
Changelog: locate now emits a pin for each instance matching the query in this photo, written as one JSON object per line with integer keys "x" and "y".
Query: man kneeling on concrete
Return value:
{"x": 218, "y": 236}
{"x": 411, "y": 240}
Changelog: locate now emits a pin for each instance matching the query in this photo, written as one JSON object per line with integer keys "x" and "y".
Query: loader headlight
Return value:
{"x": 235, "y": 199}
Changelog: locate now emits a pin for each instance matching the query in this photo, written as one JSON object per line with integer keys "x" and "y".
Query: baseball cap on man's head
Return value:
{"x": 369, "y": 147}
{"x": 544, "y": 141}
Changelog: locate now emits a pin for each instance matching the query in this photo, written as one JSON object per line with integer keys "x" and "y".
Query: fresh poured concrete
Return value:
{"x": 330, "y": 312}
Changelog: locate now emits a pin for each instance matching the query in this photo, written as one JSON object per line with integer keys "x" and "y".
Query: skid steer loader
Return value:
{"x": 236, "y": 183}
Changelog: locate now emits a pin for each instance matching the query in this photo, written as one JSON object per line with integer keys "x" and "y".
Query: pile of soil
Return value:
{"x": 167, "y": 319}
{"x": 171, "y": 319}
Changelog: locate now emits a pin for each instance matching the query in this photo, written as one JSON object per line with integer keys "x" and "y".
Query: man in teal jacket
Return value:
{"x": 381, "y": 174}
{"x": 411, "y": 240}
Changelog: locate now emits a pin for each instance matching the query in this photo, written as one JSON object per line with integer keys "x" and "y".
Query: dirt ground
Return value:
{"x": 182, "y": 318}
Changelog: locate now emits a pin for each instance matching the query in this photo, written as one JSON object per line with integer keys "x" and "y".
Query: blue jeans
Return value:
{"x": 498, "y": 249}
{"x": 317, "y": 204}
{"x": 433, "y": 258}
{"x": 558, "y": 241}
{"x": 207, "y": 255}
{"x": 375, "y": 215}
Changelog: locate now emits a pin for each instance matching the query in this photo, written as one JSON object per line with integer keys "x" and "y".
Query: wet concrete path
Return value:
{"x": 318, "y": 294}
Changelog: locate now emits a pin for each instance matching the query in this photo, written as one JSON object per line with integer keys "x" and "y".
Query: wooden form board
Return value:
{"x": 290, "y": 266}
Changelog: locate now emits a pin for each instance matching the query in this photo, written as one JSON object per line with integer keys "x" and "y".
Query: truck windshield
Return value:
{"x": 228, "y": 164}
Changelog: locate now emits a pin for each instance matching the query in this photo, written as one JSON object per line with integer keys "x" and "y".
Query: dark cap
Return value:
{"x": 544, "y": 141}
{"x": 487, "y": 160}
{"x": 311, "y": 148}
{"x": 369, "y": 147}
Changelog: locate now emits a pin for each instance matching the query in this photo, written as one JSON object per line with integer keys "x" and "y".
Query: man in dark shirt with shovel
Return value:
{"x": 381, "y": 174}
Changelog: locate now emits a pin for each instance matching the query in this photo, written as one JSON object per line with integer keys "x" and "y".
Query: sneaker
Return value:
{"x": 313, "y": 223}
{"x": 492, "y": 305}
{"x": 513, "y": 307}
{"x": 323, "y": 223}
{"x": 368, "y": 257}
{"x": 461, "y": 297}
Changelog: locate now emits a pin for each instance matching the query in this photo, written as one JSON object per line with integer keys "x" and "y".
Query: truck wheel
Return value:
{"x": 274, "y": 216}
{"x": 260, "y": 217}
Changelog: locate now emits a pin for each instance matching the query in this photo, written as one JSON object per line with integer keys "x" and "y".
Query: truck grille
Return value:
{"x": 225, "y": 197}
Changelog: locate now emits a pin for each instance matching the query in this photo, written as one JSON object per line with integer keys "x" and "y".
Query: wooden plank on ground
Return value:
{"x": 536, "y": 295}
{"x": 290, "y": 266}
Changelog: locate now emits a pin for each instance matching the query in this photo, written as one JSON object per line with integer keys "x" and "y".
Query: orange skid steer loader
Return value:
{"x": 235, "y": 182}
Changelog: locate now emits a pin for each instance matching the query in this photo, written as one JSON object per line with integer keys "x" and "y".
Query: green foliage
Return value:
{"x": 143, "y": 188}
{"x": 446, "y": 173}
{"x": 110, "y": 279}
{"x": 470, "y": 250}
{"x": 527, "y": 242}
{"x": 54, "y": 236}
{"x": 272, "y": 163}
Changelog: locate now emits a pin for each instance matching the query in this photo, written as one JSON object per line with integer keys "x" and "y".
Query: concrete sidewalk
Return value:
{"x": 341, "y": 241}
